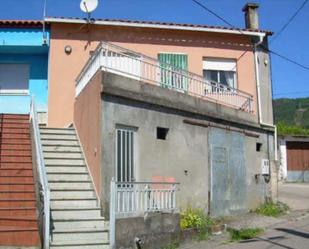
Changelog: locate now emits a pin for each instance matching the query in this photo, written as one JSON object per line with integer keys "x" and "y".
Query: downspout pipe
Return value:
{"x": 259, "y": 96}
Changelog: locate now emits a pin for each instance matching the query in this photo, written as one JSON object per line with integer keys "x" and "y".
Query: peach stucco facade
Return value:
{"x": 64, "y": 68}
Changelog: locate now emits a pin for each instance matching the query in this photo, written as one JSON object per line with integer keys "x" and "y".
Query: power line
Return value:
{"x": 240, "y": 31}
{"x": 289, "y": 21}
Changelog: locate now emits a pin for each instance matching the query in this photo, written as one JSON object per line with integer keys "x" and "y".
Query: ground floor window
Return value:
{"x": 125, "y": 171}
{"x": 14, "y": 78}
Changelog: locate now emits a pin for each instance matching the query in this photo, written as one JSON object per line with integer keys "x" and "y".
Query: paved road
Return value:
{"x": 296, "y": 195}
{"x": 289, "y": 235}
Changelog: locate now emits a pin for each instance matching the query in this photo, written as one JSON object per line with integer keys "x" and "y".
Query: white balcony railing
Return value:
{"x": 118, "y": 60}
{"x": 129, "y": 199}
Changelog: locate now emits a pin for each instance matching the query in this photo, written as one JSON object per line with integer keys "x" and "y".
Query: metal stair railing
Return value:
{"x": 43, "y": 182}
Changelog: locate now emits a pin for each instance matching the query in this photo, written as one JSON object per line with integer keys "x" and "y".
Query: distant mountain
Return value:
{"x": 292, "y": 112}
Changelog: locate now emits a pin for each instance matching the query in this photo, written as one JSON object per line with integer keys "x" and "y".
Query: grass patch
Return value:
{"x": 173, "y": 245}
{"x": 272, "y": 209}
{"x": 244, "y": 234}
{"x": 197, "y": 219}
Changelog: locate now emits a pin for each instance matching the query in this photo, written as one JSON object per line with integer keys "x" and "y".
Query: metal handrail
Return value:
{"x": 156, "y": 72}
{"x": 138, "y": 198}
{"x": 44, "y": 188}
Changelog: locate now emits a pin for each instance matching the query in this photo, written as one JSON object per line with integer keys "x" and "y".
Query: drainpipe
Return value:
{"x": 259, "y": 95}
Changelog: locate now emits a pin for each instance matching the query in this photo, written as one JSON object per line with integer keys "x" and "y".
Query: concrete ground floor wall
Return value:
{"x": 152, "y": 231}
{"x": 185, "y": 153}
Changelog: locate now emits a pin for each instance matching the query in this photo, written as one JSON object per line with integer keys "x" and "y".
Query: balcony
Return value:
{"x": 115, "y": 59}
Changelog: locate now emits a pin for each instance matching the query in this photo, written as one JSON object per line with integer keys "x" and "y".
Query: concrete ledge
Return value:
{"x": 140, "y": 91}
{"x": 154, "y": 230}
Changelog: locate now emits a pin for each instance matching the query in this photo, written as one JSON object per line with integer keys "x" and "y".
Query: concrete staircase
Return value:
{"x": 18, "y": 212}
{"x": 75, "y": 211}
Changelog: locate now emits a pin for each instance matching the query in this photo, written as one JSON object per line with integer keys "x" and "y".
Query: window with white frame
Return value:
{"x": 14, "y": 78}
{"x": 125, "y": 171}
{"x": 222, "y": 71}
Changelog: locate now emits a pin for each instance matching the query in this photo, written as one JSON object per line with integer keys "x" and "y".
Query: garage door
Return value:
{"x": 228, "y": 172}
{"x": 14, "y": 78}
{"x": 298, "y": 161}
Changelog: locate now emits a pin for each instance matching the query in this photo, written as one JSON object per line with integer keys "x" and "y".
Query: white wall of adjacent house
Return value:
{"x": 283, "y": 160}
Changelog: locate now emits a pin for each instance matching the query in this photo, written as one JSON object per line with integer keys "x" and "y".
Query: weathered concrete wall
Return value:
{"x": 184, "y": 155}
{"x": 185, "y": 148}
{"x": 154, "y": 230}
{"x": 88, "y": 123}
{"x": 264, "y": 67}
{"x": 258, "y": 186}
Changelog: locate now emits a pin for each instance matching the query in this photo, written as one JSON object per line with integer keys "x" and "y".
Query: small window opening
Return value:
{"x": 258, "y": 146}
{"x": 162, "y": 133}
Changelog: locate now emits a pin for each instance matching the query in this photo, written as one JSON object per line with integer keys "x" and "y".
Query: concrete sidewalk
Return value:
{"x": 290, "y": 232}
{"x": 295, "y": 195}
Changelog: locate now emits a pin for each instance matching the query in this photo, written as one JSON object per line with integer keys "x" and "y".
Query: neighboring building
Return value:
{"x": 23, "y": 65}
{"x": 211, "y": 134}
{"x": 294, "y": 158}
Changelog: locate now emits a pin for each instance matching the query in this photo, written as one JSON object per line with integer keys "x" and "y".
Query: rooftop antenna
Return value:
{"x": 44, "y": 25}
{"x": 88, "y": 6}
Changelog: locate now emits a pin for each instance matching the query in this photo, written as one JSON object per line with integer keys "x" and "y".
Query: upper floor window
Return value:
{"x": 172, "y": 74}
{"x": 221, "y": 71}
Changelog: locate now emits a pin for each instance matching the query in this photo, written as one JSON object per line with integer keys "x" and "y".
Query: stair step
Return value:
{"x": 63, "y": 162}
{"x": 12, "y": 124}
{"x": 17, "y": 195}
{"x": 72, "y": 194}
{"x": 79, "y": 244}
{"x": 84, "y": 236}
{"x": 59, "y": 142}
{"x": 16, "y": 165}
{"x": 61, "y": 149}
{"x": 13, "y": 130}
{"x": 29, "y": 222}
{"x": 57, "y": 131}
{"x": 15, "y": 212}
{"x": 69, "y": 137}
{"x": 93, "y": 223}
{"x": 15, "y": 172}
{"x": 82, "y": 203}
{"x": 70, "y": 185}
{"x": 15, "y": 136}
{"x": 16, "y": 237}
{"x": 63, "y": 155}
{"x": 30, "y": 202}
{"x": 68, "y": 177}
{"x": 15, "y": 179}
{"x": 17, "y": 187}
{"x": 11, "y": 152}
{"x": 66, "y": 169}
{"x": 5, "y": 116}
{"x": 76, "y": 213}
{"x": 15, "y": 141}
{"x": 16, "y": 147}
{"x": 13, "y": 159}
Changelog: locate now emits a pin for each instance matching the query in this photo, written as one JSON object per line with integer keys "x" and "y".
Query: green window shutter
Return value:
{"x": 168, "y": 78}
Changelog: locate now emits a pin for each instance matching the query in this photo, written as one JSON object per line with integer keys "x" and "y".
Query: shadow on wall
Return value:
{"x": 153, "y": 36}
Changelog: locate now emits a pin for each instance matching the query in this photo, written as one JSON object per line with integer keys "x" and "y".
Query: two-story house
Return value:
{"x": 155, "y": 100}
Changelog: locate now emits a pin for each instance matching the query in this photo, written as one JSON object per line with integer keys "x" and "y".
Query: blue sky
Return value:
{"x": 288, "y": 80}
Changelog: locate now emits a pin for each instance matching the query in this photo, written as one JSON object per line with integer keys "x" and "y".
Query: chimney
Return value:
{"x": 251, "y": 15}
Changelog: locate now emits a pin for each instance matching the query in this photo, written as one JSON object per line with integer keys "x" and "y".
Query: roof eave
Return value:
{"x": 157, "y": 26}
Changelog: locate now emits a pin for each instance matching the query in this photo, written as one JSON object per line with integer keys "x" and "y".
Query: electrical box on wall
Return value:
{"x": 265, "y": 167}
